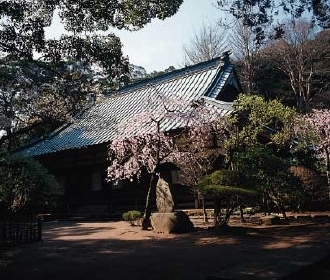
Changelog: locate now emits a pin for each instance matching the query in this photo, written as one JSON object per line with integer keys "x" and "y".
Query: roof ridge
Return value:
{"x": 173, "y": 74}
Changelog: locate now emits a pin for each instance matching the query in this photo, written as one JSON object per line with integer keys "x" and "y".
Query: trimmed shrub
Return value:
{"x": 132, "y": 217}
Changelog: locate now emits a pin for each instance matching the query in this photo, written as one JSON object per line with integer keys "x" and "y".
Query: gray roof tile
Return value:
{"x": 103, "y": 122}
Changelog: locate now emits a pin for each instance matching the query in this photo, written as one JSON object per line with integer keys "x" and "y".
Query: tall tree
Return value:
{"x": 265, "y": 21}
{"x": 210, "y": 42}
{"x": 246, "y": 50}
{"x": 40, "y": 100}
{"x": 57, "y": 74}
{"x": 24, "y": 22}
{"x": 297, "y": 55}
{"x": 297, "y": 66}
{"x": 263, "y": 138}
{"x": 256, "y": 121}
{"x": 257, "y": 14}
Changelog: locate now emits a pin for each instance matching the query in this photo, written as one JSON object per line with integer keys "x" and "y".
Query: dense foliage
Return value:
{"x": 257, "y": 121}
{"x": 227, "y": 190}
{"x": 26, "y": 183}
{"x": 270, "y": 176}
{"x": 34, "y": 102}
{"x": 24, "y": 23}
{"x": 265, "y": 141}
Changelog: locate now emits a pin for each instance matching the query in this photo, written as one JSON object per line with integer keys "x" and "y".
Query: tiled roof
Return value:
{"x": 104, "y": 121}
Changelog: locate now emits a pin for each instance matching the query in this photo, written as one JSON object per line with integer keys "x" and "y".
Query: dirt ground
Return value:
{"x": 116, "y": 250}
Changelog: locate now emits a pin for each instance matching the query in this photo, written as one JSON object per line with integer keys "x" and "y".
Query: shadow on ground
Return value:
{"x": 104, "y": 251}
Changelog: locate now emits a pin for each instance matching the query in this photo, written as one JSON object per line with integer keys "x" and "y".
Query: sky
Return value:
{"x": 160, "y": 44}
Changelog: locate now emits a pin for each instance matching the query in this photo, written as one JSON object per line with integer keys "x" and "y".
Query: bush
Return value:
{"x": 132, "y": 216}
{"x": 27, "y": 184}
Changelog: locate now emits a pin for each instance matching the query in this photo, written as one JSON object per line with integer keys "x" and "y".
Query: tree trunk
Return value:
{"x": 196, "y": 200}
{"x": 241, "y": 214}
{"x": 328, "y": 181}
{"x": 201, "y": 203}
{"x": 206, "y": 220}
{"x": 147, "y": 211}
{"x": 265, "y": 202}
{"x": 328, "y": 170}
{"x": 217, "y": 212}
{"x": 282, "y": 210}
{"x": 227, "y": 216}
{"x": 280, "y": 206}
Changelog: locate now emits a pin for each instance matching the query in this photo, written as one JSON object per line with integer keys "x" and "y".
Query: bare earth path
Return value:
{"x": 115, "y": 250}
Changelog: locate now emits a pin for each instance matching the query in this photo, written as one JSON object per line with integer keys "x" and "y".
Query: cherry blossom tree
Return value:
{"x": 320, "y": 120}
{"x": 153, "y": 145}
{"x": 131, "y": 154}
{"x": 196, "y": 155}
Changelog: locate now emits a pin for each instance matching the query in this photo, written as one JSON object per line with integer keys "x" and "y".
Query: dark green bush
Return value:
{"x": 132, "y": 216}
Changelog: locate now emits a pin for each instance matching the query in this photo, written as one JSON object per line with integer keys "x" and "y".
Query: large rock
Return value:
{"x": 175, "y": 222}
{"x": 270, "y": 220}
{"x": 164, "y": 198}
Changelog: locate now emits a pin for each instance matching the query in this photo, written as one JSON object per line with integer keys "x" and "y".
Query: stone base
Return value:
{"x": 175, "y": 222}
{"x": 270, "y": 220}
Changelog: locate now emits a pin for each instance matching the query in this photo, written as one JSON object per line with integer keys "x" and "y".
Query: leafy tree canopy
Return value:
{"x": 259, "y": 121}
{"x": 49, "y": 80}
{"x": 24, "y": 21}
{"x": 34, "y": 99}
{"x": 256, "y": 12}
